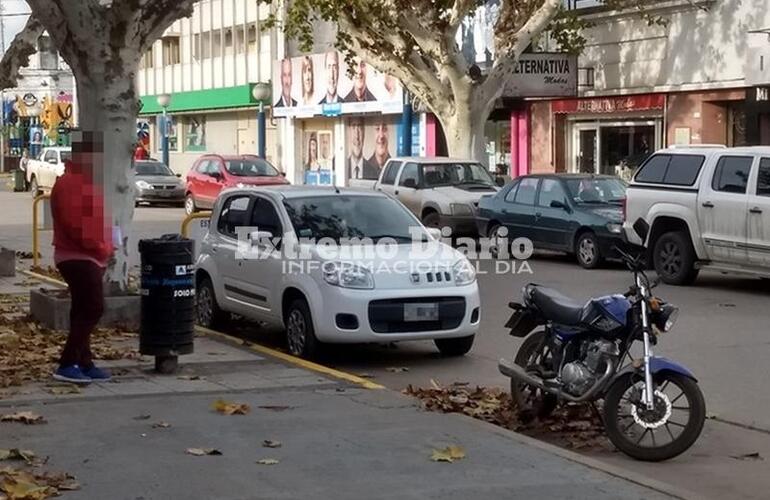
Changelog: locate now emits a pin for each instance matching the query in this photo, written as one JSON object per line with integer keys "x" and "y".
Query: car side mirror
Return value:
{"x": 642, "y": 229}
{"x": 179, "y": 175}
{"x": 559, "y": 204}
{"x": 52, "y": 161}
{"x": 434, "y": 232}
{"x": 500, "y": 181}
{"x": 283, "y": 174}
{"x": 216, "y": 175}
{"x": 410, "y": 183}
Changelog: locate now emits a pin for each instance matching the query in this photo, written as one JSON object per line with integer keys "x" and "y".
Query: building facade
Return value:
{"x": 208, "y": 64}
{"x": 41, "y": 109}
{"x": 696, "y": 78}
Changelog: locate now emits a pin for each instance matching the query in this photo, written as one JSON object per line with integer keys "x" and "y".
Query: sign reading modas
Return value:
{"x": 543, "y": 75}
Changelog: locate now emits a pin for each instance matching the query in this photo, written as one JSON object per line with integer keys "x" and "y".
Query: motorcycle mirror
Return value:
{"x": 642, "y": 229}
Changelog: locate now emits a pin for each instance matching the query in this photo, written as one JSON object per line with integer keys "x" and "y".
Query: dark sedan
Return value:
{"x": 580, "y": 214}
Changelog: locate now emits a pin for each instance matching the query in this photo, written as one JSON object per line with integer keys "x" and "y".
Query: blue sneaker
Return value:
{"x": 97, "y": 374}
{"x": 72, "y": 374}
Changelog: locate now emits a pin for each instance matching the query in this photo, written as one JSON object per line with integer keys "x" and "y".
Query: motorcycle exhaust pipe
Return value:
{"x": 515, "y": 371}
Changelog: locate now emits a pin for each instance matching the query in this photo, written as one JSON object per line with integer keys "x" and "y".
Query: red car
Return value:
{"x": 212, "y": 173}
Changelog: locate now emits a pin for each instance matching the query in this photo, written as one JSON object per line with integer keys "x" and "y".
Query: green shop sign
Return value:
{"x": 202, "y": 100}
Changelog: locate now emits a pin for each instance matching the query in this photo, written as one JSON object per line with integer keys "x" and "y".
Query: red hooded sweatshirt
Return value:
{"x": 81, "y": 230}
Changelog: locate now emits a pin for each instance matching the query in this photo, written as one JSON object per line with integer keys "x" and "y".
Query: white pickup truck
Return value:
{"x": 43, "y": 171}
{"x": 707, "y": 206}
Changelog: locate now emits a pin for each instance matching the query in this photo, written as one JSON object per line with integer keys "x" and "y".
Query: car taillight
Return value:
{"x": 624, "y": 208}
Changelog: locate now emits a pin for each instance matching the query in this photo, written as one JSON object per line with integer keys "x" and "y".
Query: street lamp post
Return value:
{"x": 164, "y": 100}
{"x": 261, "y": 93}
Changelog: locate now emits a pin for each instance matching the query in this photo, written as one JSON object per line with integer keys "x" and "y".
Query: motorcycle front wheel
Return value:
{"x": 669, "y": 429}
{"x": 531, "y": 401}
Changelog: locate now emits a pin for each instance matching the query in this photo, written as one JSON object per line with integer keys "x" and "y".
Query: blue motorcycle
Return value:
{"x": 573, "y": 352}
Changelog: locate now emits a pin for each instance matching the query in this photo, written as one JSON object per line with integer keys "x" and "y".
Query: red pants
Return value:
{"x": 86, "y": 292}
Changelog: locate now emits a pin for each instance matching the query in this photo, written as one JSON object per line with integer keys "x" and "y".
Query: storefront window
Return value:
{"x": 173, "y": 133}
{"x": 625, "y": 147}
{"x": 736, "y": 127}
{"x": 195, "y": 133}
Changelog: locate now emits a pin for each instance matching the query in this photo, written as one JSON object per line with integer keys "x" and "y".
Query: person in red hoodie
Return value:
{"x": 140, "y": 153}
{"x": 82, "y": 237}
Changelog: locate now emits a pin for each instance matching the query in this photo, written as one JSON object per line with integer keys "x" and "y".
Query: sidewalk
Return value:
{"x": 338, "y": 440}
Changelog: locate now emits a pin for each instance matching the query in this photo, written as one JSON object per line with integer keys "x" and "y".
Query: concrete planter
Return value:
{"x": 51, "y": 308}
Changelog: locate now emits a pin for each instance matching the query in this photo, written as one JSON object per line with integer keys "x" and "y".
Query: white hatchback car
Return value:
{"x": 283, "y": 255}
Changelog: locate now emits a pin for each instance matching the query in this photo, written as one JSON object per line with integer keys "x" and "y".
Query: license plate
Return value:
{"x": 421, "y": 312}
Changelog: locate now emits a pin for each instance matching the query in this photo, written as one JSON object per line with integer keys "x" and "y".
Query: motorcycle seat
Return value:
{"x": 555, "y": 306}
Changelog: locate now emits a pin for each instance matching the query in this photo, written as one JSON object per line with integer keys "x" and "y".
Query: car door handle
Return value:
{"x": 396, "y": 192}
{"x": 708, "y": 204}
{"x": 756, "y": 210}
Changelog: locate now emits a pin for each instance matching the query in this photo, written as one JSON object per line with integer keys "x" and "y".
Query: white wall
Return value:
{"x": 696, "y": 49}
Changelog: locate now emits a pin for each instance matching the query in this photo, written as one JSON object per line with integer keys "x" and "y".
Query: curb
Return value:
{"x": 620, "y": 473}
{"x": 288, "y": 358}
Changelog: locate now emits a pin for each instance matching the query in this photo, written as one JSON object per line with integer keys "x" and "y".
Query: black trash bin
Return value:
{"x": 168, "y": 300}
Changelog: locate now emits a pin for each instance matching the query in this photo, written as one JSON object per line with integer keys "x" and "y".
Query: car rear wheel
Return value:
{"x": 674, "y": 259}
{"x": 300, "y": 335}
{"x": 455, "y": 347}
{"x": 587, "y": 251}
{"x": 189, "y": 204}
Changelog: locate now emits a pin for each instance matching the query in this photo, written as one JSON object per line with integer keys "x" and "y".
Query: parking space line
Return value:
{"x": 302, "y": 363}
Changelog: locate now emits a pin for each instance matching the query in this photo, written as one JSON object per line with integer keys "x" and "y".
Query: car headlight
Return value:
{"x": 464, "y": 272}
{"x": 461, "y": 209}
{"x": 347, "y": 275}
{"x": 143, "y": 185}
{"x": 615, "y": 228}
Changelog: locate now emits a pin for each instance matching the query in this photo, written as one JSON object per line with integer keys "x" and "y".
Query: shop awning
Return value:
{"x": 610, "y": 104}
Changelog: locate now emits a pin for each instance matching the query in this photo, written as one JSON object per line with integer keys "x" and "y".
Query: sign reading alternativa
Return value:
{"x": 543, "y": 75}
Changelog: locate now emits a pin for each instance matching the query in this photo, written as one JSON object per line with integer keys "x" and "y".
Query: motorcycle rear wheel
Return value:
{"x": 629, "y": 425}
{"x": 531, "y": 401}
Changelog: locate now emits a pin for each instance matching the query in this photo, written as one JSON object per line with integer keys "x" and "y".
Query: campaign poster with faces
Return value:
{"x": 320, "y": 85}
{"x": 370, "y": 142}
{"x": 318, "y": 157}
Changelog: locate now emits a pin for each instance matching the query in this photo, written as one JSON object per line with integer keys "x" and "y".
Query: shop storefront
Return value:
{"x": 610, "y": 135}
{"x": 758, "y": 116}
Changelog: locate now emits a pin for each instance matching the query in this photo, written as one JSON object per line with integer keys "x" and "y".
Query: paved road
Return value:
{"x": 720, "y": 336}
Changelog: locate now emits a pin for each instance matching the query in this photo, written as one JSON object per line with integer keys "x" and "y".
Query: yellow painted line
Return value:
{"x": 47, "y": 279}
{"x": 302, "y": 363}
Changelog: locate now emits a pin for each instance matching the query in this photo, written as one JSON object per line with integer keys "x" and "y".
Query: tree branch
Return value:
{"x": 17, "y": 56}
{"x": 505, "y": 63}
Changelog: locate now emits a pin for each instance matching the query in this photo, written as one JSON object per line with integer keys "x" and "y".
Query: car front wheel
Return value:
{"x": 587, "y": 251}
{"x": 300, "y": 335}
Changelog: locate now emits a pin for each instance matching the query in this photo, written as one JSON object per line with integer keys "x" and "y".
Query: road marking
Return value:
{"x": 302, "y": 363}
{"x": 47, "y": 279}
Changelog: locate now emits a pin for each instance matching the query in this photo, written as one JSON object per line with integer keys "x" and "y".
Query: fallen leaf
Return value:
{"x": 267, "y": 461}
{"x": 267, "y": 443}
{"x": 20, "y": 489}
{"x": 161, "y": 425}
{"x": 191, "y": 377}
{"x": 276, "y": 407}
{"x": 435, "y": 384}
{"x": 17, "y": 454}
{"x": 142, "y": 417}
{"x": 228, "y": 408}
{"x": 397, "y": 369}
{"x": 25, "y": 417}
{"x": 199, "y": 452}
{"x": 748, "y": 456}
{"x": 448, "y": 454}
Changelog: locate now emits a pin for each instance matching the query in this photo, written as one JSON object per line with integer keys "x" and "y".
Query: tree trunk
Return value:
{"x": 464, "y": 133}
{"x": 110, "y": 106}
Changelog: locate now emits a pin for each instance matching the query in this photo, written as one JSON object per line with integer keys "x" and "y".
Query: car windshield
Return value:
{"x": 344, "y": 217}
{"x": 66, "y": 156}
{"x": 152, "y": 168}
{"x": 597, "y": 191}
{"x": 255, "y": 167}
{"x": 453, "y": 174}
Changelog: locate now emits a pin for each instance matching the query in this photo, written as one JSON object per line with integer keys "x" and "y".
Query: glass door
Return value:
{"x": 585, "y": 148}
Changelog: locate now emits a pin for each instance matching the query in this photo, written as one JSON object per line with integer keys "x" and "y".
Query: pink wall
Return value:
{"x": 430, "y": 135}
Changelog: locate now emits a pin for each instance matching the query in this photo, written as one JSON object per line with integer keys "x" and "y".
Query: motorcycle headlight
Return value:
{"x": 143, "y": 185}
{"x": 464, "y": 273}
{"x": 461, "y": 209}
{"x": 348, "y": 276}
{"x": 666, "y": 317}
